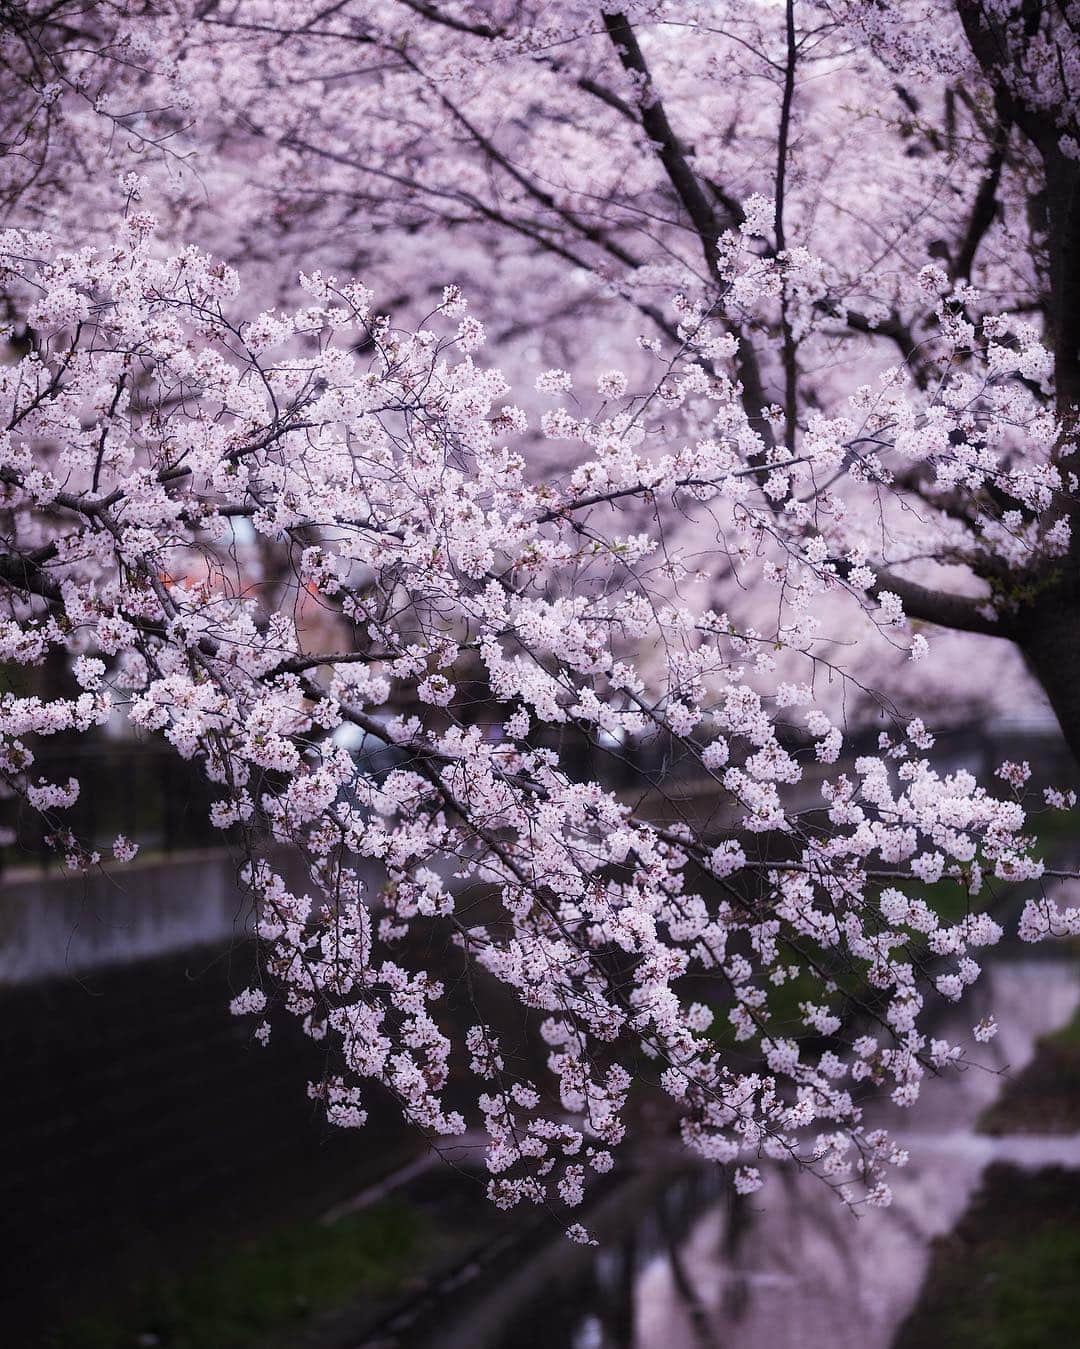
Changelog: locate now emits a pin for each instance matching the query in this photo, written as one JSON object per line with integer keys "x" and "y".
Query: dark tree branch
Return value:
{"x": 984, "y": 207}
{"x": 707, "y": 224}
{"x": 940, "y": 607}
{"x": 789, "y": 354}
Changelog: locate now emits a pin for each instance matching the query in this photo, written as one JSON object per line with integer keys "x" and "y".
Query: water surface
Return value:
{"x": 684, "y": 1265}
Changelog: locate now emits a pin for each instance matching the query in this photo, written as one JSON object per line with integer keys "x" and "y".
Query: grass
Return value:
{"x": 1045, "y": 1097}
{"x": 1067, "y": 1039}
{"x": 783, "y": 1017}
{"x": 263, "y": 1292}
{"x": 948, "y": 899}
{"x": 1006, "y": 1277}
{"x": 1055, "y": 826}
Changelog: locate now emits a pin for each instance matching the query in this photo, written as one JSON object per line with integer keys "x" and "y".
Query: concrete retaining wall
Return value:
{"x": 52, "y": 923}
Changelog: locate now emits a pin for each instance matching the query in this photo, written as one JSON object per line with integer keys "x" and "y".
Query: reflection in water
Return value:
{"x": 683, "y": 1264}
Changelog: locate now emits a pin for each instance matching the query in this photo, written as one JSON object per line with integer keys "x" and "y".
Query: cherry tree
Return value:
{"x": 834, "y": 366}
{"x": 565, "y": 165}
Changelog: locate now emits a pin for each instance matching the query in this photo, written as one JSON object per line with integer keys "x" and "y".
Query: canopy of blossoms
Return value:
{"x": 381, "y": 593}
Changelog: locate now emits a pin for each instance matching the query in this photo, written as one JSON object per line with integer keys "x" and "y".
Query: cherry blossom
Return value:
{"x": 428, "y": 409}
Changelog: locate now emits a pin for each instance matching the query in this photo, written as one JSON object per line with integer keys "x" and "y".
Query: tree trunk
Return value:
{"x": 1050, "y": 640}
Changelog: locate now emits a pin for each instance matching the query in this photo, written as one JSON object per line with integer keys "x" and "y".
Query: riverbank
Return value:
{"x": 1006, "y": 1276}
{"x": 1045, "y": 1097}
{"x": 242, "y": 1254}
